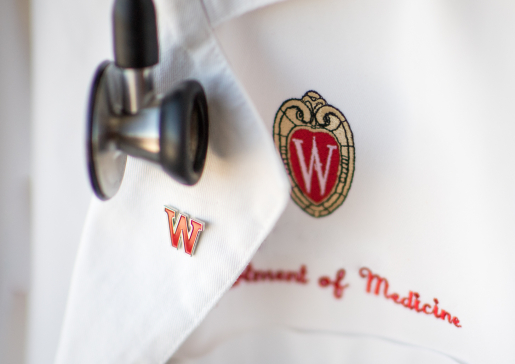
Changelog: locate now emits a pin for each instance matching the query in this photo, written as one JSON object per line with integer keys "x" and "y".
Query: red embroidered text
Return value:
{"x": 411, "y": 301}
{"x": 338, "y": 288}
{"x": 254, "y": 275}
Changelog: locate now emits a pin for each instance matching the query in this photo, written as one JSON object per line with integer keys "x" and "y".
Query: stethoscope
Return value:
{"x": 127, "y": 117}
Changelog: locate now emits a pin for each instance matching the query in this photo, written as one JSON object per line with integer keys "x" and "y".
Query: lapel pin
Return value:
{"x": 184, "y": 230}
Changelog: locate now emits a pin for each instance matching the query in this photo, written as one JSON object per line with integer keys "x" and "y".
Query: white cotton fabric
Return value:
{"x": 277, "y": 346}
{"x": 220, "y": 11}
{"x": 427, "y": 89}
{"x": 133, "y": 297}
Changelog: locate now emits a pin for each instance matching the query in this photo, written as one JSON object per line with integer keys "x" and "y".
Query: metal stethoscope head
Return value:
{"x": 127, "y": 117}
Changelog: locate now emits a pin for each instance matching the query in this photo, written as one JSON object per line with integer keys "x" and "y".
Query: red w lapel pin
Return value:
{"x": 184, "y": 230}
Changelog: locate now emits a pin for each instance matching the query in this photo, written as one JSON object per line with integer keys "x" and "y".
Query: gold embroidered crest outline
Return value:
{"x": 325, "y": 124}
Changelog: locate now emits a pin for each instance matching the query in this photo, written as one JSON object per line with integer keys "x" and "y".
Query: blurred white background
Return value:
{"x": 14, "y": 177}
{"x": 49, "y": 50}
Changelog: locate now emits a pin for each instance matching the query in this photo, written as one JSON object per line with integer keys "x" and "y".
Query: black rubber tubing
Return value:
{"x": 135, "y": 34}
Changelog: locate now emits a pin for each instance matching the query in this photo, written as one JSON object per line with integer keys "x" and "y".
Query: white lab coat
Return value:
{"x": 426, "y": 89}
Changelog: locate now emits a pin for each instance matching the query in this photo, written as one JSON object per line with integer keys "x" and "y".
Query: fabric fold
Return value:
{"x": 134, "y": 298}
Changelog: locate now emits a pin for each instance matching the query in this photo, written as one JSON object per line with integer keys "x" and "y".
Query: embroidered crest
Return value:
{"x": 183, "y": 230}
{"x": 316, "y": 144}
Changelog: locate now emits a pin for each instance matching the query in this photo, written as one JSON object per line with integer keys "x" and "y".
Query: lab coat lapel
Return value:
{"x": 134, "y": 297}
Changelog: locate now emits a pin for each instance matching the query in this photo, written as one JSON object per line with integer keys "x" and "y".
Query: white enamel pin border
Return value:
{"x": 309, "y": 127}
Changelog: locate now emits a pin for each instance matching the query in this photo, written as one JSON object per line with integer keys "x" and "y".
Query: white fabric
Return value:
{"x": 287, "y": 346}
{"x": 134, "y": 298}
{"x": 221, "y": 11}
{"x": 430, "y": 208}
{"x": 427, "y": 89}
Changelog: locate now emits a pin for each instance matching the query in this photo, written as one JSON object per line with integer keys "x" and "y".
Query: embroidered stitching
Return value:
{"x": 254, "y": 275}
{"x": 412, "y": 301}
{"x": 338, "y": 288}
{"x": 316, "y": 143}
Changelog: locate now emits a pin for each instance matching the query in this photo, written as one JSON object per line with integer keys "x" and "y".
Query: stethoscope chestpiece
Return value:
{"x": 127, "y": 117}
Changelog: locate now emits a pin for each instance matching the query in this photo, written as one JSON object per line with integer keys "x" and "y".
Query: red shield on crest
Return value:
{"x": 316, "y": 144}
{"x": 315, "y": 162}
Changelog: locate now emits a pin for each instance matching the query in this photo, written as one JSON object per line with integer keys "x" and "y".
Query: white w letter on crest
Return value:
{"x": 314, "y": 162}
